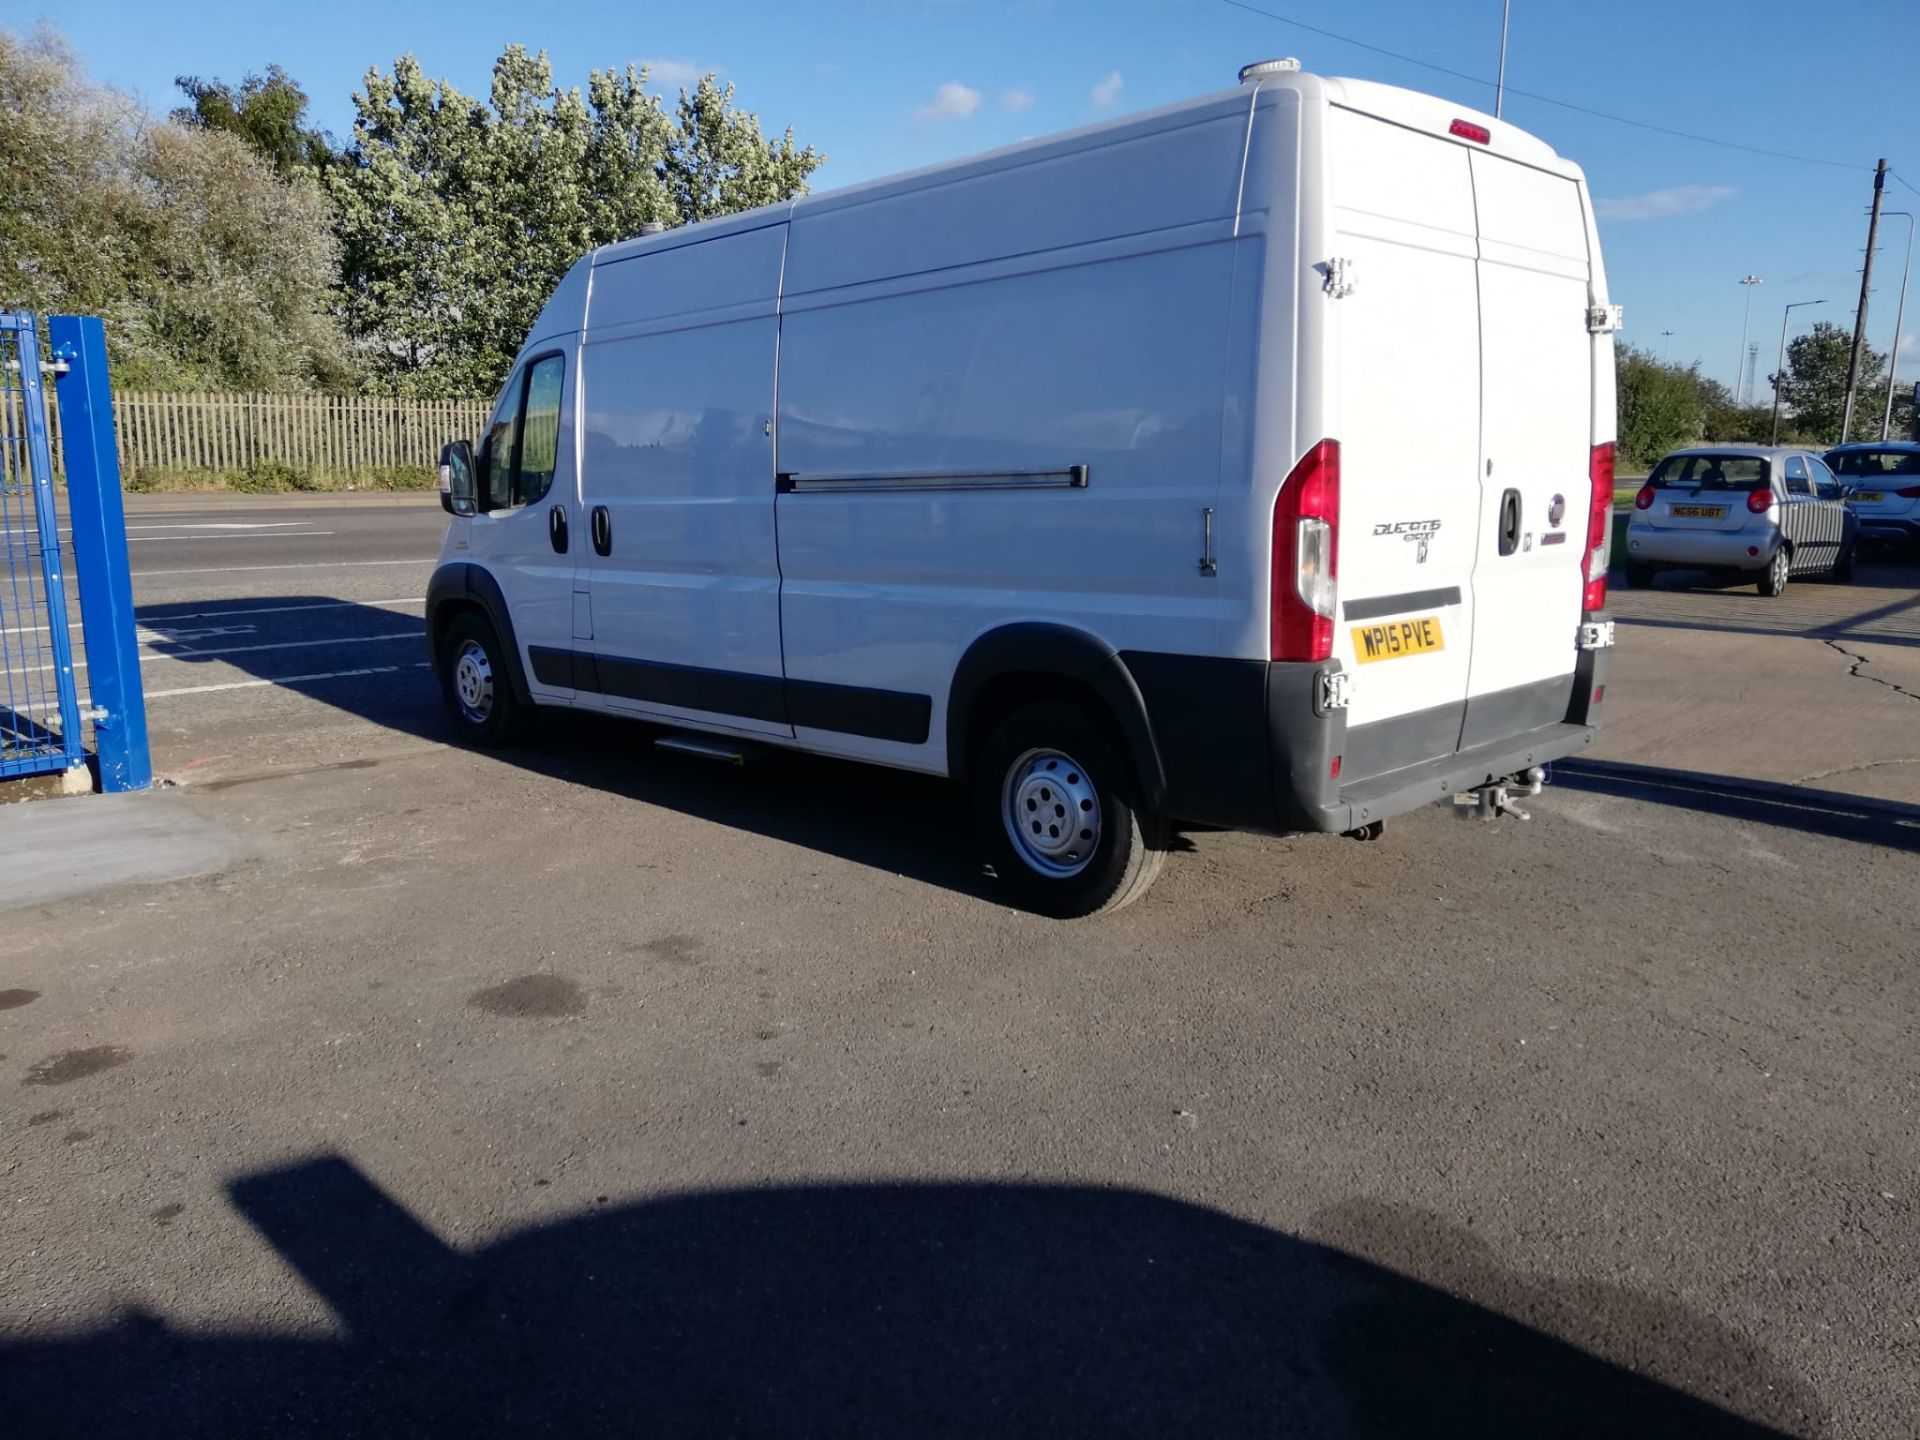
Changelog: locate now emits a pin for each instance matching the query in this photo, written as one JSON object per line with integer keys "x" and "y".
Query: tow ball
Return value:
{"x": 1490, "y": 802}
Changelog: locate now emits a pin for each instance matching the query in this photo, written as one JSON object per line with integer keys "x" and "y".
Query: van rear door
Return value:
{"x": 1408, "y": 426}
{"x": 1536, "y": 434}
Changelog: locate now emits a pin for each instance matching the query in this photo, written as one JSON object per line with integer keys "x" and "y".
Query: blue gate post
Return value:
{"x": 100, "y": 552}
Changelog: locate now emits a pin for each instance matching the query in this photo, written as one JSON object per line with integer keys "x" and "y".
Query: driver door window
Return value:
{"x": 518, "y": 457}
{"x": 1824, "y": 484}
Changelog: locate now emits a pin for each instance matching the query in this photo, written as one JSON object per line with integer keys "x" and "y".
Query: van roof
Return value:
{"x": 1427, "y": 113}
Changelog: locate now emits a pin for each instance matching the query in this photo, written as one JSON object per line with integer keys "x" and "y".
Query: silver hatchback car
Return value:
{"x": 1742, "y": 511}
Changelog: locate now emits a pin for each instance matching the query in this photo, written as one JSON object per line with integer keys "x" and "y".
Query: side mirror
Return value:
{"x": 456, "y": 478}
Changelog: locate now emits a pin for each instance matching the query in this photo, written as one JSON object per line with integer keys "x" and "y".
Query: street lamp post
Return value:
{"x": 1743, "y": 382}
{"x": 1781, "y": 369}
{"x": 1500, "y": 84}
{"x": 1899, "y": 319}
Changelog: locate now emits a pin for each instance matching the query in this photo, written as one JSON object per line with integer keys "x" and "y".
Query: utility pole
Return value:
{"x": 1740, "y": 386}
{"x": 1860, "y": 315}
{"x": 1500, "y": 84}
{"x": 1753, "y": 369}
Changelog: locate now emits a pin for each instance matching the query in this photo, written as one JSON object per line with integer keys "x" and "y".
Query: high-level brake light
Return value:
{"x": 1467, "y": 130}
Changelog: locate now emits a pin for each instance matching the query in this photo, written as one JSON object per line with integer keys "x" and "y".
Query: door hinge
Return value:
{"x": 1339, "y": 281}
{"x": 1596, "y": 634}
{"x": 1604, "y": 319}
{"x": 1336, "y": 689}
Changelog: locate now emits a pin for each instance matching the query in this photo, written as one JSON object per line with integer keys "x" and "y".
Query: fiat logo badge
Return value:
{"x": 1557, "y": 510}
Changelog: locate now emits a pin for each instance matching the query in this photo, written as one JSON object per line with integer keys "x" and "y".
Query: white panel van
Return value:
{"x": 1243, "y": 463}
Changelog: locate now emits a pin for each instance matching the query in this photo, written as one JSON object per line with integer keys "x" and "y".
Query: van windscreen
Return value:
{"x": 1709, "y": 472}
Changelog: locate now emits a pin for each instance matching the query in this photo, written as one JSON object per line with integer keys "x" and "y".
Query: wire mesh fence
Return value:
{"x": 40, "y": 726}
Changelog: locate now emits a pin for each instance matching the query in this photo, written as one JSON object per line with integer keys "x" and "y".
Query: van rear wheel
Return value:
{"x": 475, "y": 684}
{"x": 1055, "y": 803}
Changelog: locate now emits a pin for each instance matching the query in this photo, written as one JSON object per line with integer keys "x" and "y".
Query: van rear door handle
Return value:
{"x": 1509, "y": 522}
{"x": 602, "y": 531}
{"x": 557, "y": 529}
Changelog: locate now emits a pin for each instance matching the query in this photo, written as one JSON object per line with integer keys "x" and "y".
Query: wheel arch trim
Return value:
{"x": 1070, "y": 654}
{"x": 462, "y": 585}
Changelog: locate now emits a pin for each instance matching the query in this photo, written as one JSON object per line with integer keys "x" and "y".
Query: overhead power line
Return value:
{"x": 1550, "y": 100}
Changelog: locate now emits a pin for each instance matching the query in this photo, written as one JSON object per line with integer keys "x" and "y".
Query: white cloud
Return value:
{"x": 1660, "y": 204}
{"x": 951, "y": 101}
{"x": 1016, "y": 99}
{"x": 668, "y": 74}
{"x": 1106, "y": 94}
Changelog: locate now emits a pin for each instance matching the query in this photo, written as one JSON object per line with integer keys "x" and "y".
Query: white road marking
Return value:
{"x": 293, "y": 565}
{"x": 186, "y": 539}
{"x": 228, "y": 614}
{"x": 186, "y": 525}
{"x": 282, "y": 645}
{"x": 284, "y": 680}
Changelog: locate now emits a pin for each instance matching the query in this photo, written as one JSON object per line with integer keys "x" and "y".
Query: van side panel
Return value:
{"x": 1116, "y": 365}
{"x": 1074, "y": 192}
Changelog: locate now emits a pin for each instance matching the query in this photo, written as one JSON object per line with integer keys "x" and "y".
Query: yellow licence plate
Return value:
{"x": 1700, "y": 512}
{"x": 1395, "y": 638}
{"x": 1867, "y": 497}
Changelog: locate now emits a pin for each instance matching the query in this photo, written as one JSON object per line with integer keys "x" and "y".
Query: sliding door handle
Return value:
{"x": 602, "y": 531}
{"x": 557, "y": 529}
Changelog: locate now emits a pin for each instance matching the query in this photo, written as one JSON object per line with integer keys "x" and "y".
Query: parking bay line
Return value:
{"x": 285, "y": 680}
{"x": 291, "y": 565}
{"x": 227, "y": 614}
{"x": 81, "y": 664}
{"x": 194, "y": 539}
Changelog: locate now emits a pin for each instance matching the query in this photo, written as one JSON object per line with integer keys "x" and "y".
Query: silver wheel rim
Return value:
{"x": 1052, "y": 813}
{"x": 1781, "y": 565}
{"x": 473, "y": 682}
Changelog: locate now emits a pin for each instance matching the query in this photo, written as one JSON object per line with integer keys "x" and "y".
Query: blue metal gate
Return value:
{"x": 39, "y": 704}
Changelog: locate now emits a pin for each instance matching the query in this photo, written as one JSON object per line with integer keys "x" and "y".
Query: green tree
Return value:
{"x": 1813, "y": 389}
{"x": 211, "y": 272}
{"x": 457, "y": 216}
{"x": 268, "y": 112}
{"x": 230, "y": 276}
{"x": 1661, "y": 405}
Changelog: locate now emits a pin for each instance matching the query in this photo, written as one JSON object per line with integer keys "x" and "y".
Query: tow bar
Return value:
{"x": 1490, "y": 802}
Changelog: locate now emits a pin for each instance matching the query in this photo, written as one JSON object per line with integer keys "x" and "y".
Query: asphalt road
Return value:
{"x": 586, "y": 1088}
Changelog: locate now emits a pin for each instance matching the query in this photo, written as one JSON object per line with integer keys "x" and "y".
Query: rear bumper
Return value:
{"x": 1888, "y": 527}
{"x": 1701, "y": 549}
{"x": 1248, "y": 745}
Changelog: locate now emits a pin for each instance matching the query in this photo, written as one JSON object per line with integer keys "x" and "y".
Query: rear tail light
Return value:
{"x": 1760, "y": 501}
{"x": 1306, "y": 556}
{"x": 1911, "y": 492}
{"x": 1599, "y": 521}
{"x": 1644, "y": 500}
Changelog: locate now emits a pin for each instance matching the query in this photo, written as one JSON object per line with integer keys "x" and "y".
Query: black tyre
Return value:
{"x": 1639, "y": 577}
{"x": 474, "y": 682}
{"x": 1055, "y": 804}
{"x": 1773, "y": 580}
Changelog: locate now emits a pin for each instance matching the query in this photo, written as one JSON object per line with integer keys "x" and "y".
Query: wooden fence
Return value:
{"x": 319, "y": 434}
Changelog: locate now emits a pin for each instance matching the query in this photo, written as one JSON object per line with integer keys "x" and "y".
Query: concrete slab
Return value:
{"x": 55, "y": 849}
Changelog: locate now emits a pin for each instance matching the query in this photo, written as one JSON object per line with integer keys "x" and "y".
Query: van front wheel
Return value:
{"x": 474, "y": 682}
{"x": 1055, "y": 805}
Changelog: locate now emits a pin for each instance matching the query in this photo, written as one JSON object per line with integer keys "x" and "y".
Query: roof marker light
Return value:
{"x": 1467, "y": 130}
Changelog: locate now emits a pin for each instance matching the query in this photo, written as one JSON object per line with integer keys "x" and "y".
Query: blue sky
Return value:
{"x": 883, "y": 85}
